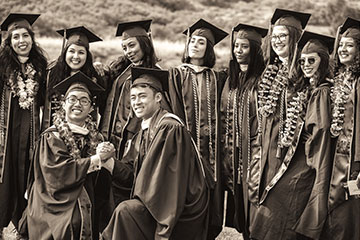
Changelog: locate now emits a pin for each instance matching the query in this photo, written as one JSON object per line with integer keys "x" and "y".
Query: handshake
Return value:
{"x": 105, "y": 150}
{"x": 104, "y": 158}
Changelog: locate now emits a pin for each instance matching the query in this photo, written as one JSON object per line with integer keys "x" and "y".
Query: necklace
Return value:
{"x": 68, "y": 137}
{"x": 272, "y": 84}
{"x": 293, "y": 111}
{"x": 25, "y": 86}
{"x": 340, "y": 95}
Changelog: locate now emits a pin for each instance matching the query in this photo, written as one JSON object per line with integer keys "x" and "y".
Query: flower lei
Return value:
{"x": 293, "y": 111}
{"x": 68, "y": 137}
{"x": 340, "y": 94}
{"x": 25, "y": 89}
{"x": 270, "y": 87}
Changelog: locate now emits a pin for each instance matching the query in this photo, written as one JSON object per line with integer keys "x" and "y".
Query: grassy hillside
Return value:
{"x": 170, "y": 18}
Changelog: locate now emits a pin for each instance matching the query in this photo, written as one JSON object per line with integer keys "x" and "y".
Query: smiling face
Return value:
{"x": 242, "y": 50}
{"x": 132, "y": 50}
{"x": 347, "y": 50}
{"x": 144, "y": 101}
{"x": 75, "y": 57}
{"x": 197, "y": 47}
{"x": 77, "y": 106}
{"x": 309, "y": 63}
{"x": 21, "y": 42}
{"x": 280, "y": 41}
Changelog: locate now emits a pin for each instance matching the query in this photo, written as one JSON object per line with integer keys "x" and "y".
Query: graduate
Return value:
{"x": 313, "y": 77}
{"x": 194, "y": 90}
{"x": 70, "y": 163}
{"x": 170, "y": 195}
{"x": 75, "y": 56}
{"x": 119, "y": 124}
{"x": 344, "y": 202}
{"x": 241, "y": 149}
{"x": 22, "y": 87}
{"x": 285, "y": 184}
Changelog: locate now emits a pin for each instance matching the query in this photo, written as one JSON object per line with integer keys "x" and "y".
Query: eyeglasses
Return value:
{"x": 281, "y": 37}
{"x": 83, "y": 101}
{"x": 310, "y": 60}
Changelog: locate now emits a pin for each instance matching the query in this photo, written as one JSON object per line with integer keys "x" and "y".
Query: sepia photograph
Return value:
{"x": 180, "y": 120}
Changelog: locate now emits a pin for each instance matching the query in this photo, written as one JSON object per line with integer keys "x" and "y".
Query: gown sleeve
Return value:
{"x": 168, "y": 173}
{"x": 318, "y": 157}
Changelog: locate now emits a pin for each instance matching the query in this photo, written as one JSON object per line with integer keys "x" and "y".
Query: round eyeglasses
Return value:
{"x": 281, "y": 37}
{"x": 310, "y": 60}
{"x": 84, "y": 101}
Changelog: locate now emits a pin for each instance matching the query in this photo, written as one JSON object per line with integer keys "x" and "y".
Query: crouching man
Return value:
{"x": 169, "y": 198}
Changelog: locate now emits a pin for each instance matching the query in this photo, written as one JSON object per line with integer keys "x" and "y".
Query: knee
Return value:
{"x": 129, "y": 207}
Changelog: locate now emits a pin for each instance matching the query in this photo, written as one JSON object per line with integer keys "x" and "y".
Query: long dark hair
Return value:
{"x": 355, "y": 67}
{"x": 61, "y": 69}
{"x": 209, "y": 57}
{"x": 149, "y": 58}
{"x": 255, "y": 68}
{"x": 325, "y": 71}
{"x": 9, "y": 61}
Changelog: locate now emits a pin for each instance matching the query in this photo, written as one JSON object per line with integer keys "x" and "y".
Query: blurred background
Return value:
{"x": 170, "y": 18}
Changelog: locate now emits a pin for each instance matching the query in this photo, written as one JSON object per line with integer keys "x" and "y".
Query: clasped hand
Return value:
{"x": 105, "y": 150}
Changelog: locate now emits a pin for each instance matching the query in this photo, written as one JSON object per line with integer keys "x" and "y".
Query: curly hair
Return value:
{"x": 9, "y": 61}
{"x": 209, "y": 57}
{"x": 255, "y": 68}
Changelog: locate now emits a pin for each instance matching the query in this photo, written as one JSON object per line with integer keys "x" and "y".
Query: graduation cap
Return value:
{"x": 18, "y": 20}
{"x": 133, "y": 29}
{"x": 282, "y": 17}
{"x": 79, "y": 81}
{"x": 312, "y": 42}
{"x": 205, "y": 29}
{"x": 155, "y": 78}
{"x": 250, "y": 32}
{"x": 351, "y": 28}
{"x": 79, "y": 35}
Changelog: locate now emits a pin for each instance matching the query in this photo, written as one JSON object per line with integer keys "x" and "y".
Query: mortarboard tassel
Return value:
{"x": 336, "y": 43}
{"x": 63, "y": 42}
{"x": 293, "y": 62}
{"x": 187, "y": 43}
{"x": 231, "y": 44}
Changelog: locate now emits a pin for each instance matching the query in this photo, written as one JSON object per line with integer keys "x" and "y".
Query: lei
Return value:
{"x": 271, "y": 85}
{"x": 293, "y": 111}
{"x": 25, "y": 86}
{"x": 68, "y": 137}
{"x": 340, "y": 95}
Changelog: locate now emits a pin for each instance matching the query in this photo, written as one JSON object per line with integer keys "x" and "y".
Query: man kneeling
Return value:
{"x": 169, "y": 193}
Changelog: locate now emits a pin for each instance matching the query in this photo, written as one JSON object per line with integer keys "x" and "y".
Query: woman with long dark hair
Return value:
{"x": 344, "y": 204}
{"x": 195, "y": 89}
{"x": 75, "y": 56}
{"x": 119, "y": 124}
{"x": 22, "y": 86}
{"x": 313, "y": 78}
{"x": 282, "y": 180}
{"x": 241, "y": 149}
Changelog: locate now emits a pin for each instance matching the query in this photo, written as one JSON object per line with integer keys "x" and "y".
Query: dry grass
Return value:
{"x": 226, "y": 234}
{"x": 229, "y": 234}
{"x": 108, "y": 50}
